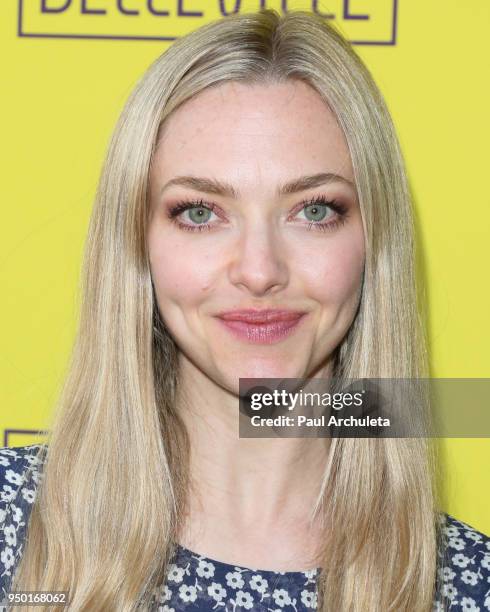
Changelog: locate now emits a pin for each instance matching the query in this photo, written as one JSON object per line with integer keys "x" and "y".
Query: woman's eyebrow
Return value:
{"x": 216, "y": 187}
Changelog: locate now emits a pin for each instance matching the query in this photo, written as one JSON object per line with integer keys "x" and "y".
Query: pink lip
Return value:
{"x": 261, "y": 326}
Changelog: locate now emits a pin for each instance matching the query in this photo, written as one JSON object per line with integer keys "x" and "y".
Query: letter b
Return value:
{"x": 57, "y": 9}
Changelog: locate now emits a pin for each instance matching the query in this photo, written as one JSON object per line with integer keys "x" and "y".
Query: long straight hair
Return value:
{"x": 115, "y": 479}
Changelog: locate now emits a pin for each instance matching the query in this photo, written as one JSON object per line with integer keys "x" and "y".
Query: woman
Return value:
{"x": 254, "y": 176}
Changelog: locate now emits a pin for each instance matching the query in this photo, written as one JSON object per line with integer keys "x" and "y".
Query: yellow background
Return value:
{"x": 60, "y": 99}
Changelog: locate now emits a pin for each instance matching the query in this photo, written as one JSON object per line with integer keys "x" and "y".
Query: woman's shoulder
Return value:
{"x": 17, "y": 458}
{"x": 462, "y": 537}
{"x": 20, "y": 473}
{"x": 464, "y": 565}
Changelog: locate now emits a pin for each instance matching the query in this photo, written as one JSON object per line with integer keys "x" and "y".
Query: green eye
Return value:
{"x": 315, "y": 212}
{"x": 199, "y": 214}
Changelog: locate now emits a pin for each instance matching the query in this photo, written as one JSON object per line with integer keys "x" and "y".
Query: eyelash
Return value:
{"x": 337, "y": 207}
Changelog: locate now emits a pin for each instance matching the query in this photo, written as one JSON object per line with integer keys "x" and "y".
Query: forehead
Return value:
{"x": 253, "y": 132}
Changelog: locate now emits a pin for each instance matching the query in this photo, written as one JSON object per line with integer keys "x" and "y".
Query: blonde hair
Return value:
{"x": 116, "y": 475}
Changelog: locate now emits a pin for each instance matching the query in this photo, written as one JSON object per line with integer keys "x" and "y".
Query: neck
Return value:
{"x": 258, "y": 489}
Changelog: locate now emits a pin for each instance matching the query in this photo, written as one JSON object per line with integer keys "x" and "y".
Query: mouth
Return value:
{"x": 261, "y": 326}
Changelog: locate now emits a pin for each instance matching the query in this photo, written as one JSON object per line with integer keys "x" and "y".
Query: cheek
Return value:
{"x": 333, "y": 270}
{"x": 180, "y": 272}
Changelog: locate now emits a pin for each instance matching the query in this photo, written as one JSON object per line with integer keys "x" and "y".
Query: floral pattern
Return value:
{"x": 197, "y": 583}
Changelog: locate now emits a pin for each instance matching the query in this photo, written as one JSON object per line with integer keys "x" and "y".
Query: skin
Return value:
{"x": 258, "y": 252}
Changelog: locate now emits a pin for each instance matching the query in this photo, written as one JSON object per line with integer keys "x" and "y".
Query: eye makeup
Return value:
{"x": 337, "y": 218}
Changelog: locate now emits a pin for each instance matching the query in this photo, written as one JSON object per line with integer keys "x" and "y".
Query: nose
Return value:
{"x": 259, "y": 260}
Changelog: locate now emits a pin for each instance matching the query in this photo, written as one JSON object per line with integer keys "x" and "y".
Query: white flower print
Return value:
{"x": 28, "y": 495}
{"x": 7, "y": 557}
{"x": 8, "y": 493}
{"x": 308, "y": 599}
{"x": 10, "y": 535}
{"x": 460, "y": 560}
{"x": 176, "y": 574}
{"x": 310, "y": 573}
{"x": 281, "y": 597}
{"x": 164, "y": 594}
{"x": 449, "y": 591}
{"x": 258, "y": 583}
{"x": 234, "y": 580}
{"x": 473, "y": 535}
{"x": 165, "y": 608}
{"x": 205, "y": 569}
{"x": 452, "y": 532}
{"x": 17, "y": 514}
{"x": 446, "y": 573}
{"x": 13, "y": 477}
{"x": 216, "y": 591}
{"x": 187, "y": 592}
{"x": 32, "y": 460}
{"x": 244, "y": 599}
{"x": 469, "y": 577}
{"x": 457, "y": 543}
{"x": 469, "y": 605}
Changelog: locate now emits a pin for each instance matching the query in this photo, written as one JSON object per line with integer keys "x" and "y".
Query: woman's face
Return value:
{"x": 275, "y": 224}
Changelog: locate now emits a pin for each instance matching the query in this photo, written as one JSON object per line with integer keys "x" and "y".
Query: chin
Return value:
{"x": 264, "y": 370}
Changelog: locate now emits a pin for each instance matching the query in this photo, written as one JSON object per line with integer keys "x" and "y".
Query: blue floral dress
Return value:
{"x": 197, "y": 583}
